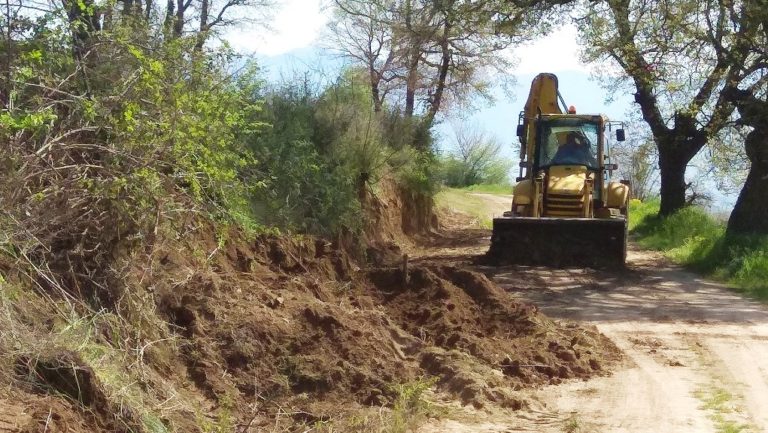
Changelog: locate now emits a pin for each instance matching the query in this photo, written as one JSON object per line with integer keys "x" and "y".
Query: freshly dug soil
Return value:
{"x": 472, "y": 329}
{"x": 293, "y": 328}
{"x": 295, "y": 322}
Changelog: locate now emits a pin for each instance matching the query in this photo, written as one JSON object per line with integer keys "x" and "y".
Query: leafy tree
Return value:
{"x": 427, "y": 53}
{"x": 637, "y": 161}
{"x": 682, "y": 58}
{"x": 750, "y": 214}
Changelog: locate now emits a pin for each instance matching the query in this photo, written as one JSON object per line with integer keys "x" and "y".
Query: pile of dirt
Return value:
{"x": 472, "y": 329}
{"x": 82, "y": 406}
{"x": 295, "y": 322}
{"x": 292, "y": 328}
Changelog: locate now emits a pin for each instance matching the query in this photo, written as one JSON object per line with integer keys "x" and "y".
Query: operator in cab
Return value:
{"x": 575, "y": 151}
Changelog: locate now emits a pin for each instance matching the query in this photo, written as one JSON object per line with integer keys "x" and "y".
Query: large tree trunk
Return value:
{"x": 750, "y": 215}
{"x": 674, "y": 156}
{"x": 672, "y": 185}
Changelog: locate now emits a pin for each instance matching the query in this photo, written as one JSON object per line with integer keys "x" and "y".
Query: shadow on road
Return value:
{"x": 659, "y": 294}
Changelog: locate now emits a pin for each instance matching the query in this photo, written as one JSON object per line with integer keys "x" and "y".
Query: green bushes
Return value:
{"x": 324, "y": 149}
{"x": 694, "y": 238}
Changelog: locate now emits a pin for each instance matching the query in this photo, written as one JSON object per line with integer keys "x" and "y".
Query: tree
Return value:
{"x": 636, "y": 159}
{"x": 682, "y": 57}
{"x": 361, "y": 32}
{"x": 475, "y": 158}
{"x": 750, "y": 214}
{"x": 429, "y": 52}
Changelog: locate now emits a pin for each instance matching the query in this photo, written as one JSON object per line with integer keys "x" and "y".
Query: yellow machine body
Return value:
{"x": 565, "y": 208}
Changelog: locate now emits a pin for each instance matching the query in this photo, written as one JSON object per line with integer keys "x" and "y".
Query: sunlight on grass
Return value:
{"x": 500, "y": 189}
{"x": 463, "y": 201}
{"x": 696, "y": 239}
{"x": 720, "y": 403}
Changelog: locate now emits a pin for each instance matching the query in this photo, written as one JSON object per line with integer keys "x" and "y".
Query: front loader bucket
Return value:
{"x": 559, "y": 242}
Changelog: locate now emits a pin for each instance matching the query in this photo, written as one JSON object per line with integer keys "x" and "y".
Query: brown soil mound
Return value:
{"x": 293, "y": 329}
{"x": 293, "y": 322}
{"x": 471, "y": 326}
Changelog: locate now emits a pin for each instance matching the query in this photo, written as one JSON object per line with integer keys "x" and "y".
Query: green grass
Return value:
{"x": 572, "y": 424}
{"x": 694, "y": 238}
{"x": 410, "y": 408}
{"x": 460, "y": 200}
{"x": 719, "y": 403}
{"x": 501, "y": 189}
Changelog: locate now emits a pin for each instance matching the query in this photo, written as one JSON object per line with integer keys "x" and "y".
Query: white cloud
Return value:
{"x": 559, "y": 51}
{"x": 295, "y": 24}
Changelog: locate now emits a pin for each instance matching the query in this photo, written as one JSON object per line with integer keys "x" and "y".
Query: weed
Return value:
{"x": 410, "y": 406}
{"x": 719, "y": 402}
{"x": 572, "y": 424}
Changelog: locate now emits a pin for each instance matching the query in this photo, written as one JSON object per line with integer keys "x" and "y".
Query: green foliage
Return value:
{"x": 460, "y": 200}
{"x": 458, "y": 173}
{"x": 682, "y": 230}
{"x": 474, "y": 159}
{"x": 694, "y": 238}
{"x": 410, "y": 405}
{"x": 306, "y": 189}
{"x": 198, "y": 129}
{"x": 324, "y": 149}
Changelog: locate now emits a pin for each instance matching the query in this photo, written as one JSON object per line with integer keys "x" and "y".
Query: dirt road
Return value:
{"x": 696, "y": 353}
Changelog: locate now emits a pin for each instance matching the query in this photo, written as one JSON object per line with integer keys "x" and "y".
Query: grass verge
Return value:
{"x": 501, "y": 189}
{"x": 695, "y": 239}
{"x": 459, "y": 200}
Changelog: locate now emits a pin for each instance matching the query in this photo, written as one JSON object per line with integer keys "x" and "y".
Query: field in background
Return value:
{"x": 500, "y": 189}
{"x": 481, "y": 202}
{"x": 696, "y": 239}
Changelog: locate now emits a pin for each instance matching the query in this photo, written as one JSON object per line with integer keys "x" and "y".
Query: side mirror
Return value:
{"x": 620, "y": 135}
{"x": 520, "y": 130}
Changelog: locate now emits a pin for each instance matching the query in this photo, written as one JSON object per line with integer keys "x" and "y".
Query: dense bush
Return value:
{"x": 110, "y": 151}
{"x": 694, "y": 238}
{"x": 324, "y": 149}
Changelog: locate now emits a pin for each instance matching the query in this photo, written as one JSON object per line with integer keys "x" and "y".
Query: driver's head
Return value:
{"x": 572, "y": 139}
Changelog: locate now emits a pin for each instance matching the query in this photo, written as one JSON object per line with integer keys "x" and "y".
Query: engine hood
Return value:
{"x": 568, "y": 180}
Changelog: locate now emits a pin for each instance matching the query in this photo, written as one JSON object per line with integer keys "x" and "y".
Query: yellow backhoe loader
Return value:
{"x": 566, "y": 210}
